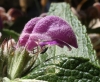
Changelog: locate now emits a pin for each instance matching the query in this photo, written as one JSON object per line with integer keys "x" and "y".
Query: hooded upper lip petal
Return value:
{"x": 27, "y": 31}
{"x": 52, "y": 28}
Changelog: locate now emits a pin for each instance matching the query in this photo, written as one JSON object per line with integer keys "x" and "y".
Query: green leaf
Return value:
{"x": 60, "y": 64}
{"x": 6, "y": 33}
{"x": 71, "y": 69}
{"x": 5, "y": 79}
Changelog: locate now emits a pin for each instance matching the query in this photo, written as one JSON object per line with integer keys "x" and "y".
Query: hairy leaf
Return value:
{"x": 64, "y": 69}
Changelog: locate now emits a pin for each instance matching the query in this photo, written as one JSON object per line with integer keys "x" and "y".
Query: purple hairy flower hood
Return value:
{"x": 49, "y": 30}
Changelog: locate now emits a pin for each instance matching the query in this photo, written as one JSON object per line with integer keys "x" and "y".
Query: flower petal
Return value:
{"x": 30, "y": 45}
{"x": 23, "y": 39}
{"x": 56, "y": 28}
{"x": 48, "y": 43}
{"x": 55, "y": 42}
{"x": 50, "y": 30}
{"x": 30, "y": 25}
{"x": 27, "y": 31}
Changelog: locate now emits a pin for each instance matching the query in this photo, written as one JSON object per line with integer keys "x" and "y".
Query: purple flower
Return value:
{"x": 27, "y": 31}
{"x": 51, "y": 30}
